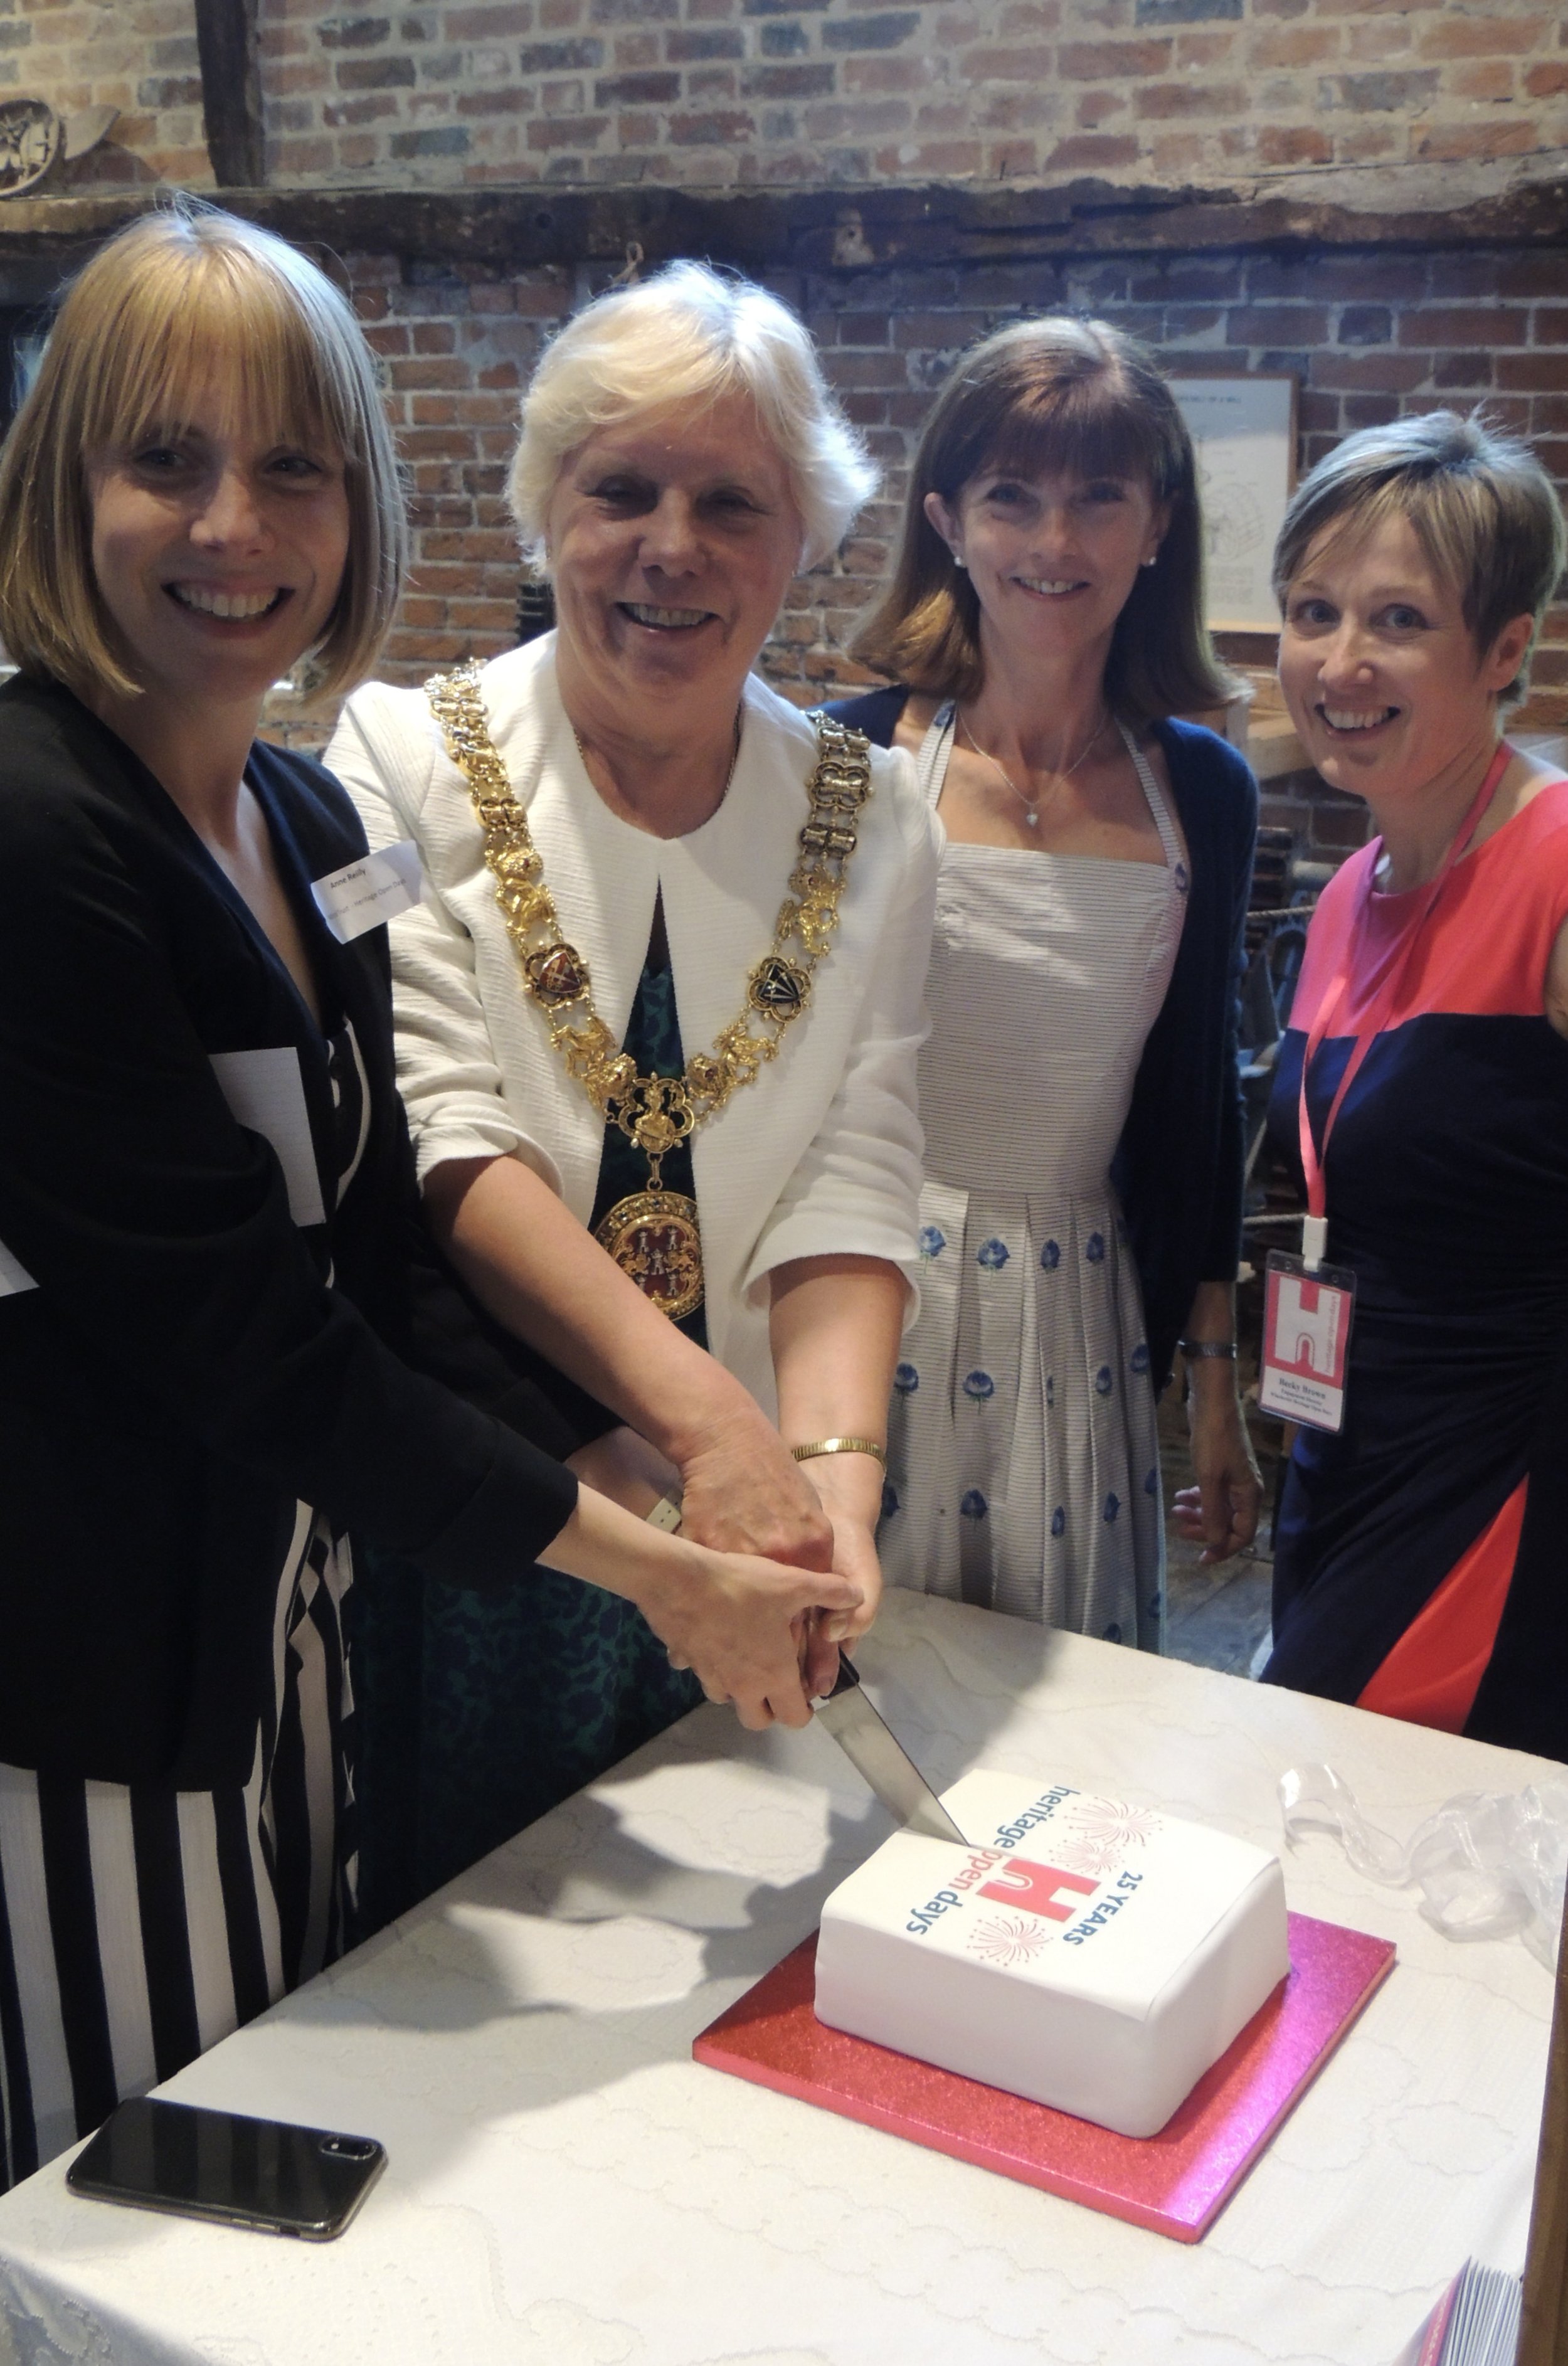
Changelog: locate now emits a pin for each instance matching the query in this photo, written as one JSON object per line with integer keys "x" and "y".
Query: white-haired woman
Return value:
{"x": 656, "y": 1018}
{"x": 205, "y": 1197}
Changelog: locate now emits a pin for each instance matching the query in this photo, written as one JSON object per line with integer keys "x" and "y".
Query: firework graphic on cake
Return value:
{"x": 1008, "y": 1940}
{"x": 1096, "y": 1835}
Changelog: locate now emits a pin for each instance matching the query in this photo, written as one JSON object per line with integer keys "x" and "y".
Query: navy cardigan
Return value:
{"x": 1178, "y": 1168}
{"x": 191, "y": 1363}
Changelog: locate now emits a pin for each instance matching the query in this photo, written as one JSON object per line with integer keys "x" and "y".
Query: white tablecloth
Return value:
{"x": 567, "y": 2188}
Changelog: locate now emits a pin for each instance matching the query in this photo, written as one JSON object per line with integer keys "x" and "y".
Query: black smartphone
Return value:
{"x": 262, "y": 2173}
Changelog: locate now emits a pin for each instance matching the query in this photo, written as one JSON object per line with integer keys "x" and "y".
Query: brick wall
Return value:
{"x": 807, "y": 92}
{"x": 1368, "y": 335}
{"x": 136, "y": 55}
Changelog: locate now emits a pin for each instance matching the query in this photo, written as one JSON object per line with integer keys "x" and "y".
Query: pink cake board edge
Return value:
{"x": 1175, "y": 2183}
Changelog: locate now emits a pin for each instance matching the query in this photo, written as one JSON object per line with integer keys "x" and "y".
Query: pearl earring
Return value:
{"x": 956, "y": 561}
{"x": 1151, "y": 561}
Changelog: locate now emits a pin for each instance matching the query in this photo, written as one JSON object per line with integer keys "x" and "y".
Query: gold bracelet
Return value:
{"x": 841, "y": 1446}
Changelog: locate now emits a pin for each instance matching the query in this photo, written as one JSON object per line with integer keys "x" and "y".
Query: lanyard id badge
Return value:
{"x": 1309, "y": 1305}
{"x": 1307, "y": 1311}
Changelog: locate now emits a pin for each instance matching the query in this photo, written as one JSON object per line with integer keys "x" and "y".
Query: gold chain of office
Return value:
{"x": 653, "y": 1234}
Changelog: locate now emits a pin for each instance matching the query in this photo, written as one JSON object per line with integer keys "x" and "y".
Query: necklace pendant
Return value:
{"x": 1033, "y": 819}
{"x": 654, "y": 1238}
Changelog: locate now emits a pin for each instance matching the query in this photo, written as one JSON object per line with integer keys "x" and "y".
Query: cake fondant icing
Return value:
{"x": 1090, "y": 1954}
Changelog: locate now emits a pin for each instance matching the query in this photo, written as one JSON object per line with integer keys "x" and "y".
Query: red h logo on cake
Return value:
{"x": 1020, "y": 1881}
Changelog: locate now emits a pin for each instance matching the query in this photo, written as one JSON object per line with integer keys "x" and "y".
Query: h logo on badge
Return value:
{"x": 1020, "y": 1881}
{"x": 1306, "y": 1334}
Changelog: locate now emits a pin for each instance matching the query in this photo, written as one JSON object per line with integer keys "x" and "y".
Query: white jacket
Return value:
{"x": 822, "y": 1153}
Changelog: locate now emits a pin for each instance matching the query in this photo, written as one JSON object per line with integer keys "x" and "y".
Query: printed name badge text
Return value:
{"x": 1306, "y": 1339}
{"x": 376, "y": 887}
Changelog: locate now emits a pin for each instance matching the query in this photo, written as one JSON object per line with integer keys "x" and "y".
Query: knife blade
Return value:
{"x": 879, "y": 1758}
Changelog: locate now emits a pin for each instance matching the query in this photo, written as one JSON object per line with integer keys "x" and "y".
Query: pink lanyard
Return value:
{"x": 1374, "y": 1022}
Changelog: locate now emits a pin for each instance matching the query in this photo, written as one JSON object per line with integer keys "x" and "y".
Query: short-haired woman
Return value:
{"x": 206, "y": 1203}
{"x": 1419, "y": 1560}
{"x": 1082, "y": 1197}
{"x": 657, "y": 1024}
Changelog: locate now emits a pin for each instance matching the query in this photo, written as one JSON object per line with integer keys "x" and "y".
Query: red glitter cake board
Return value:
{"x": 1176, "y": 2182}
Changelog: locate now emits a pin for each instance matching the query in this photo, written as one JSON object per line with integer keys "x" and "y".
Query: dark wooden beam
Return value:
{"x": 230, "y": 91}
{"x": 834, "y": 231}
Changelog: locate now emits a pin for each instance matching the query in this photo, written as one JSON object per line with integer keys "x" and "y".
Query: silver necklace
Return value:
{"x": 1031, "y": 805}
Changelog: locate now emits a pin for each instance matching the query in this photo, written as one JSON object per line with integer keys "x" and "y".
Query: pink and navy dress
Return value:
{"x": 1421, "y": 1556}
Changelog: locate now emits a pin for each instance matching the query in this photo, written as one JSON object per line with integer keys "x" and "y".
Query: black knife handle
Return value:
{"x": 849, "y": 1676}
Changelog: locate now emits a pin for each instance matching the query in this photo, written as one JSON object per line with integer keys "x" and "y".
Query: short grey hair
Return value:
{"x": 1482, "y": 507}
{"x": 690, "y": 335}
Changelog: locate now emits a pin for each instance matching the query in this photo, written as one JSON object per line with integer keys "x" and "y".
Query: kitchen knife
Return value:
{"x": 869, "y": 1745}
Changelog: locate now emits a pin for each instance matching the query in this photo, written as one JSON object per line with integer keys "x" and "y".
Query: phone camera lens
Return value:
{"x": 349, "y": 2147}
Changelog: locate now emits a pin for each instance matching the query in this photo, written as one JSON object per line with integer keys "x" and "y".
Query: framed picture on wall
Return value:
{"x": 1244, "y": 430}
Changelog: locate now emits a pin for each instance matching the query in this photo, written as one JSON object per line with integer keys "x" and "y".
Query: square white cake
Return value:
{"x": 1092, "y": 1955}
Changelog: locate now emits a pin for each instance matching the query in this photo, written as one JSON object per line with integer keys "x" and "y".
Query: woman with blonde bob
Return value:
{"x": 206, "y": 1203}
{"x": 657, "y": 1021}
{"x": 1082, "y": 1201}
{"x": 1420, "y": 1567}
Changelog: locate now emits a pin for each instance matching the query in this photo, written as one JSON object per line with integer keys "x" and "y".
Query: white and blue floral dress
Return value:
{"x": 1023, "y": 1472}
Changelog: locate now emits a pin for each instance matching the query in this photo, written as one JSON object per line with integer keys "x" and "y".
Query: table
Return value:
{"x": 567, "y": 2188}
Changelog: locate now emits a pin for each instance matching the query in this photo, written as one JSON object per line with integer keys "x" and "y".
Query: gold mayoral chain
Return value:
{"x": 653, "y": 1235}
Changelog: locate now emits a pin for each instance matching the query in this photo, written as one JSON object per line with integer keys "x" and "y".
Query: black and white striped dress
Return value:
{"x": 139, "y": 1924}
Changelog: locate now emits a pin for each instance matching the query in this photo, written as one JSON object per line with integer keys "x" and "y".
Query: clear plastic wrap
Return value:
{"x": 1486, "y": 1866}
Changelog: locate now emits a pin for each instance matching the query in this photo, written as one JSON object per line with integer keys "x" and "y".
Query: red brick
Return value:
{"x": 1162, "y": 100}
{"x": 1456, "y": 324}
{"x": 1488, "y": 80}
{"x": 1107, "y": 61}
{"x": 510, "y": 98}
{"x": 1468, "y": 372}
{"x": 1005, "y": 65}
{"x": 1549, "y": 325}
{"x": 1456, "y": 35}
{"x": 1463, "y": 143}
{"x": 1291, "y": 45}
{"x": 882, "y": 76}
{"x": 1096, "y": 107}
{"x": 1276, "y": 145}
{"x": 1091, "y": 151}
{"x": 1535, "y": 373}
{"x": 1383, "y": 373}
{"x": 720, "y": 129}
{"x": 1530, "y": 275}
{"x": 1547, "y": 80}
{"x": 494, "y": 23}
{"x": 567, "y": 130}
{"x": 1203, "y": 52}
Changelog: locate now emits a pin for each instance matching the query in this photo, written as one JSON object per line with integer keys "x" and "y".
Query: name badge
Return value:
{"x": 13, "y": 1274}
{"x": 266, "y": 1093}
{"x": 1306, "y": 1339}
{"x": 374, "y": 888}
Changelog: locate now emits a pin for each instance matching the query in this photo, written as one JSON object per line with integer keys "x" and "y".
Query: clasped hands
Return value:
{"x": 786, "y": 1574}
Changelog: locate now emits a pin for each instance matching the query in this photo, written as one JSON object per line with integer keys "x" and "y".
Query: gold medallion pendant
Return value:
{"x": 653, "y": 1236}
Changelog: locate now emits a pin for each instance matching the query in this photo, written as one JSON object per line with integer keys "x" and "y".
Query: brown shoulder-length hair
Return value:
{"x": 185, "y": 299}
{"x": 1055, "y": 394}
